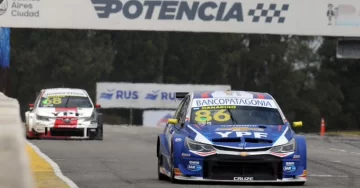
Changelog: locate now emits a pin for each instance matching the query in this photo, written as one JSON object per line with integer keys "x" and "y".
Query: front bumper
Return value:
{"x": 228, "y": 165}
{"x": 232, "y": 168}
{"x": 284, "y": 180}
{"x": 42, "y": 130}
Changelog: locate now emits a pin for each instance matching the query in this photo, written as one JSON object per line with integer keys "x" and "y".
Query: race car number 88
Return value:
{"x": 220, "y": 116}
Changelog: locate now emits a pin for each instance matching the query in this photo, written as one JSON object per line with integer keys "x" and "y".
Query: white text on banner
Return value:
{"x": 284, "y": 17}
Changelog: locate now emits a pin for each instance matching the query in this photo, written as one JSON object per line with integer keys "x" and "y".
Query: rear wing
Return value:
{"x": 181, "y": 95}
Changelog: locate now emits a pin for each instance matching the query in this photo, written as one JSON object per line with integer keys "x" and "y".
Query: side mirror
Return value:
{"x": 97, "y": 106}
{"x": 297, "y": 123}
{"x": 173, "y": 121}
{"x": 31, "y": 106}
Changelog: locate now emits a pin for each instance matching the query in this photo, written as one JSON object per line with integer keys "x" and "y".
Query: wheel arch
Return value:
{"x": 301, "y": 147}
{"x": 161, "y": 145}
{"x": 157, "y": 146}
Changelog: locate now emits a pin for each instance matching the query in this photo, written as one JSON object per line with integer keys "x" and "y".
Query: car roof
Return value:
{"x": 65, "y": 91}
{"x": 232, "y": 93}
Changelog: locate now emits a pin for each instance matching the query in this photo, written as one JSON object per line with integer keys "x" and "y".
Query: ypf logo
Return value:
{"x": 3, "y": 6}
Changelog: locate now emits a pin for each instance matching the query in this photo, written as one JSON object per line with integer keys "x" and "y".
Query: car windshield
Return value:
{"x": 65, "y": 102}
{"x": 228, "y": 115}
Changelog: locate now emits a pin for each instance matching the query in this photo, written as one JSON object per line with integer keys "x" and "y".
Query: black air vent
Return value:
{"x": 262, "y": 127}
{"x": 258, "y": 141}
{"x": 226, "y": 140}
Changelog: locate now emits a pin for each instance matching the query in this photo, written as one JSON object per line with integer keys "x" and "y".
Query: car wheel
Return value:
{"x": 160, "y": 175}
{"x": 29, "y": 138}
{"x": 99, "y": 133}
{"x": 27, "y": 135}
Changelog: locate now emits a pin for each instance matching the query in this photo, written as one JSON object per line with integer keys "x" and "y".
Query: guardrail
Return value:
{"x": 15, "y": 167}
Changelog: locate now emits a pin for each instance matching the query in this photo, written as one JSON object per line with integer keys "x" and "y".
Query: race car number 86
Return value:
{"x": 220, "y": 116}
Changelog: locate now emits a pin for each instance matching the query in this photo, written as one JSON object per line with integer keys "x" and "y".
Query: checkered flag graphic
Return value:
{"x": 269, "y": 14}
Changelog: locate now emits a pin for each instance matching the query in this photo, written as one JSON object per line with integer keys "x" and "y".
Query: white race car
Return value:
{"x": 63, "y": 113}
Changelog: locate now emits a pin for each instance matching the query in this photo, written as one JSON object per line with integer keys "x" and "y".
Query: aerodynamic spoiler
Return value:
{"x": 181, "y": 95}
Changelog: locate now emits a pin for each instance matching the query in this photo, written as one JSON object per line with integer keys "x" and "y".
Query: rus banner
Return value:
{"x": 146, "y": 95}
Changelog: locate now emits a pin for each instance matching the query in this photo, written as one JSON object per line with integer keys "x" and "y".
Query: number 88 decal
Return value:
{"x": 220, "y": 116}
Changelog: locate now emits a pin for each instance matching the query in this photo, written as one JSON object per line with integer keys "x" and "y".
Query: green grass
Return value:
{"x": 343, "y": 133}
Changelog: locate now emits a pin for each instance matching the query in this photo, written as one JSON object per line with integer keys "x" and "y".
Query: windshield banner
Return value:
{"x": 234, "y": 101}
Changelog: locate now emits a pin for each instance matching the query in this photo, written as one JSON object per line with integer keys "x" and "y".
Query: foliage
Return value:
{"x": 307, "y": 84}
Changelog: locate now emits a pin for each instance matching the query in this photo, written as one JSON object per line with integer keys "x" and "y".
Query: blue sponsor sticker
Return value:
{"x": 289, "y": 168}
{"x": 193, "y": 167}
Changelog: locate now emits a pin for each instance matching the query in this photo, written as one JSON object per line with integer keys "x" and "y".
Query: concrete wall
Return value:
{"x": 14, "y": 163}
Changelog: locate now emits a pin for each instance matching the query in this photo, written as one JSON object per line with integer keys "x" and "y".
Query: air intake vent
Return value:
{"x": 240, "y": 150}
{"x": 258, "y": 141}
{"x": 226, "y": 140}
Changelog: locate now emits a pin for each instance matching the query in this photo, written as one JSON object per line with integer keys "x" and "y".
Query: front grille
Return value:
{"x": 240, "y": 150}
{"x": 249, "y": 140}
{"x": 226, "y": 167}
{"x": 67, "y": 132}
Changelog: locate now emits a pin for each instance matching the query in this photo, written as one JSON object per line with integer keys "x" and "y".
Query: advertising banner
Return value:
{"x": 158, "y": 118}
{"x": 142, "y": 95}
{"x": 289, "y": 17}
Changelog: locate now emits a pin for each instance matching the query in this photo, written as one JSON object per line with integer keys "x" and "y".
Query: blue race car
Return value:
{"x": 231, "y": 136}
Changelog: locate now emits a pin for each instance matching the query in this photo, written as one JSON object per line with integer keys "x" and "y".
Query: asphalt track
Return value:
{"x": 127, "y": 158}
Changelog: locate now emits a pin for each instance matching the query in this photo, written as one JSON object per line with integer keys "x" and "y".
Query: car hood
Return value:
{"x": 60, "y": 112}
{"x": 241, "y": 136}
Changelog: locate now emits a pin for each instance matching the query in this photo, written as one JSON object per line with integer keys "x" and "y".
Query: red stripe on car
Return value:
{"x": 66, "y": 121}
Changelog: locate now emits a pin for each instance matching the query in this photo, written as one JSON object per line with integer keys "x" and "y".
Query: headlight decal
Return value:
{"x": 42, "y": 118}
{"x": 286, "y": 148}
{"x": 199, "y": 148}
{"x": 92, "y": 117}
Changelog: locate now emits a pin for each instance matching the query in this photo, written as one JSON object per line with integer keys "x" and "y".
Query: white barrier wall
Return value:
{"x": 15, "y": 170}
{"x": 156, "y": 118}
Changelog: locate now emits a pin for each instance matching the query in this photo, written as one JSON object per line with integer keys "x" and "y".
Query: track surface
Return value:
{"x": 127, "y": 158}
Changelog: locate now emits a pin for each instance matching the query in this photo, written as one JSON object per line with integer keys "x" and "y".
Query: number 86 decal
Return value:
{"x": 220, "y": 116}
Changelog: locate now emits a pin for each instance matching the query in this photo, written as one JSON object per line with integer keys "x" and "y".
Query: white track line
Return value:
{"x": 337, "y": 149}
{"x": 55, "y": 167}
{"x": 327, "y": 176}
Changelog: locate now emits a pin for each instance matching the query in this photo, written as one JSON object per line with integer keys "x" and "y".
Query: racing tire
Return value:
{"x": 29, "y": 138}
{"x": 160, "y": 175}
{"x": 99, "y": 133}
{"x": 26, "y": 134}
{"x": 100, "y": 129}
